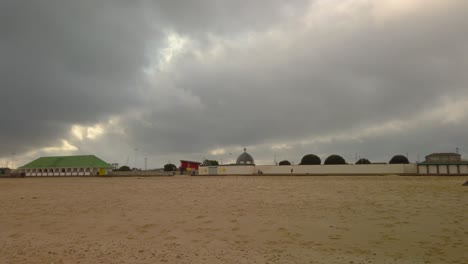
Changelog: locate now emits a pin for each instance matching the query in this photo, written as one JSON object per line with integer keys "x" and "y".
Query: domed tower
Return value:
{"x": 245, "y": 159}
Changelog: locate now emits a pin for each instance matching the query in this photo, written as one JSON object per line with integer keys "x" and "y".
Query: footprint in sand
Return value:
{"x": 16, "y": 235}
{"x": 334, "y": 237}
{"x": 112, "y": 228}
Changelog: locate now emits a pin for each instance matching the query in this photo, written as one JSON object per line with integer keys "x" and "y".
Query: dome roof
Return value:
{"x": 245, "y": 159}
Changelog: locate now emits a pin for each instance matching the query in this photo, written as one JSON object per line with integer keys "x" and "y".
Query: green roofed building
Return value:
{"x": 86, "y": 165}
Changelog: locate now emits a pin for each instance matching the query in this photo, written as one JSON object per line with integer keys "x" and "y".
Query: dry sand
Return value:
{"x": 182, "y": 219}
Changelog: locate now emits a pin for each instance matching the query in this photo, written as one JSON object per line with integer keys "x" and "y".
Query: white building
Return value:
{"x": 443, "y": 164}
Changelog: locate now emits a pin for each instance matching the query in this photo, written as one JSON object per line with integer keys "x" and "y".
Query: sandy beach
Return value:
{"x": 182, "y": 219}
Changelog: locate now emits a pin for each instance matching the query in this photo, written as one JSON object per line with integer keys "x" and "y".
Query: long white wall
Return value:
{"x": 369, "y": 169}
{"x": 226, "y": 170}
{"x": 140, "y": 173}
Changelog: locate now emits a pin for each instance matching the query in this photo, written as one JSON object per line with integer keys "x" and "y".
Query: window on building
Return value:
{"x": 63, "y": 170}
{"x": 75, "y": 169}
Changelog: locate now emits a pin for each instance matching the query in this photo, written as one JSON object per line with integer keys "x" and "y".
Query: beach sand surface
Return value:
{"x": 258, "y": 219}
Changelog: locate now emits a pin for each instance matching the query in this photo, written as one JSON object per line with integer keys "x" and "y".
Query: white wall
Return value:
{"x": 141, "y": 173}
{"x": 370, "y": 169}
{"x": 464, "y": 170}
{"x": 228, "y": 170}
{"x": 453, "y": 169}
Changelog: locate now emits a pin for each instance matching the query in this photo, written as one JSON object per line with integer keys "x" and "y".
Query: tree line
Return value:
{"x": 311, "y": 159}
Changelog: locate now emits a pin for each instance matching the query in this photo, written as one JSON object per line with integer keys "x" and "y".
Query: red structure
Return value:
{"x": 189, "y": 165}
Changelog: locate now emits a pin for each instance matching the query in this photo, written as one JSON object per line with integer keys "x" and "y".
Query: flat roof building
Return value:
{"x": 188, "y": 165}
{"x": 443, "y": 157}
{"x": 444, "y": 163}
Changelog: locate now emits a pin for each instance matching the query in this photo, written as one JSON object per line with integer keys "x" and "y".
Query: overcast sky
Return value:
{"x": 171, "y": 80}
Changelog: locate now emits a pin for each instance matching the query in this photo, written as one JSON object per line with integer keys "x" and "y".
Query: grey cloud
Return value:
{"x": 64, "y": 63}
{"x": 198, "y": 18}
{"x": 322, "y": 84}
{"x": 309, "y": 82}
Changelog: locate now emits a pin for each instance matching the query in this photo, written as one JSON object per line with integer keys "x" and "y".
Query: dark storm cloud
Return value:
{"x": 65, "y": 62}
{"x": 224, "y": 17}
{"x": 257, "y": 74}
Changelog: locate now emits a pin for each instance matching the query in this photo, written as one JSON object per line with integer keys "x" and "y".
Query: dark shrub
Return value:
{"x": 334, "y": 159}
{"x": 124, "y": 168}
{"x": 170, "y": 167}
{"x": 363, "y": 161}
{"x": 311, "y": 159}
{"x": 210, "y": 163}
{"x": 399, "y": 159}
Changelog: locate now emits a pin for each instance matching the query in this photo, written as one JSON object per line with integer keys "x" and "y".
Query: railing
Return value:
{"x": 139, "y": 173}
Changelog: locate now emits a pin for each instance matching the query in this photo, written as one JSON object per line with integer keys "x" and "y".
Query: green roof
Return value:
{"x": 85, "y": 161}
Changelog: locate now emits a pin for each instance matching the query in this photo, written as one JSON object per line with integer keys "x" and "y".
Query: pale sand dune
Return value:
{"x": 234, "y": 220}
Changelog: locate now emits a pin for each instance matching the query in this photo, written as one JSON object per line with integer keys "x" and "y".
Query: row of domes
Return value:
{"x": 311, "y": 159}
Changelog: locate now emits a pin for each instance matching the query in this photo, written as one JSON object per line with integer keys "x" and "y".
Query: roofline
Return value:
{"x": 191, "y": 161}
{"x": 444, "y": 163}
{"x": 444, "y": 153}
{"x": 23, "y": 167}
{"x": 67, "y": 156}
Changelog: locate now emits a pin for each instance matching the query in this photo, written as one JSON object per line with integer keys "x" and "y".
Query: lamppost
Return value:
{"x": 12, "y": 159}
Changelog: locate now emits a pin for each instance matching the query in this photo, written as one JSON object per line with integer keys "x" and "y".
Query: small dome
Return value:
{"x": 245, "y": 159}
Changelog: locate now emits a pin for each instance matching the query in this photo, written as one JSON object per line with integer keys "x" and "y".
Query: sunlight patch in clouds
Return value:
{"x": 91, "y": 132}
{"x": 281, "y": 147}
{"x": 217, "y": 152}
{"x": 162, "y": 59}
{"x": 66, "y": 146}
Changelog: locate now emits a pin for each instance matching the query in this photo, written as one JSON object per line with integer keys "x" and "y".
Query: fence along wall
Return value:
{"x": 368, "y": 169}
{"x": 141, "y": 173}
{"x": 52, "y": 172}
{"x": 443, "y": 169}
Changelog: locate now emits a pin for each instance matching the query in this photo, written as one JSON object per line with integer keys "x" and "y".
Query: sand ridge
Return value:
{"x": 380, "y": 219}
